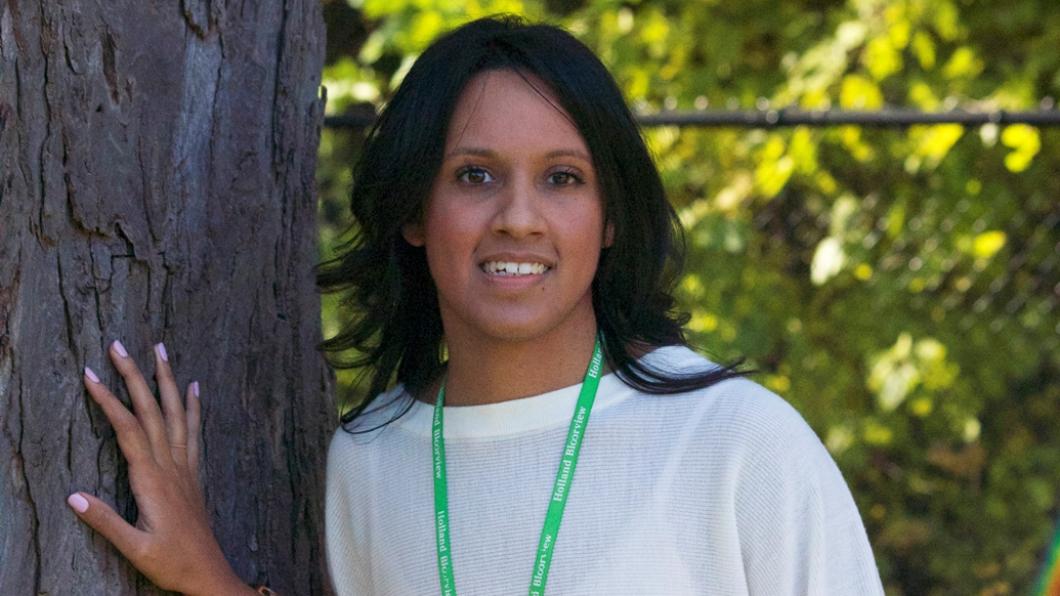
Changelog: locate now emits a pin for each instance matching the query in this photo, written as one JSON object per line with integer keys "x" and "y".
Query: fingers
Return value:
{"x": 143, "y": 400}
{"x": 175, "y": 420}
{"x": 131, "y": 438}
{"x": 100, "y": 517}
{"x": 172, "y": 438}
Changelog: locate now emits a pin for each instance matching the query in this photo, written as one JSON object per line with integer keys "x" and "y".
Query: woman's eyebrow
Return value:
{"x": 483, "y": 152}
{"x": 569, "y": 153}
{"x": 477, "y": 151}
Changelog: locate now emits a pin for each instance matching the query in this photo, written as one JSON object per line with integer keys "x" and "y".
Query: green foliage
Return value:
{"x": 899, "y": 287}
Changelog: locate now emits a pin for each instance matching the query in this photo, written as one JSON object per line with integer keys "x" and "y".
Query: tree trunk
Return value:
{"x": 156, "y": 184}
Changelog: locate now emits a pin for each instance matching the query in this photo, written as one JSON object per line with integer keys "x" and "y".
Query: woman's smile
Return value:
{"x": 514, "y": 268}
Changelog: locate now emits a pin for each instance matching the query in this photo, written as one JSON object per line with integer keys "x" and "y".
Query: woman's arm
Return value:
{"x": 799, "y": 527}
{"x": 172, "y": 543}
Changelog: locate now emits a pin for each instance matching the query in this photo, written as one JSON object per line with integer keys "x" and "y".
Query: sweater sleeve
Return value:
{"x": 800, "y": 532}
{"x": 349, "y": 574}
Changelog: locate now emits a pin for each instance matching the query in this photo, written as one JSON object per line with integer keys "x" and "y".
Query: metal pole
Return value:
{"x": 790, "y": 117}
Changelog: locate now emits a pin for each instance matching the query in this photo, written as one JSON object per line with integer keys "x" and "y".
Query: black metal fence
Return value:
{"x": 792, "y": 117}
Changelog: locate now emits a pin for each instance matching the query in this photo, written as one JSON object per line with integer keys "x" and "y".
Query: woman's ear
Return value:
{"x": 413, "y": 233}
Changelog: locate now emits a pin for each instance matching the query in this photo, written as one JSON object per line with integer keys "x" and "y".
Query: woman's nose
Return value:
{"x": 518, "y": 210}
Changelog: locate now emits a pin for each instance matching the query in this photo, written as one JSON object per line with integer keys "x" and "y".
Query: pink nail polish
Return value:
{"x": 91, "y": 375}
{"x": 77, "y": 502}
{"x": 195, "y": 388}
{"x": 120, "y": 349}
{"x": 161, "y": 348}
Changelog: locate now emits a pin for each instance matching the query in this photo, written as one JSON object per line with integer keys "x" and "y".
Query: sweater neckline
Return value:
{"x": 548, "y": 410}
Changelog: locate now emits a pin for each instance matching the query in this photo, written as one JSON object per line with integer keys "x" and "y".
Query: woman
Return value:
{"x": 514, "y": 261}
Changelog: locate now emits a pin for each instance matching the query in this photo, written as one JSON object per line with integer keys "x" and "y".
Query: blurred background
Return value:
{"x": 898, "y": 286}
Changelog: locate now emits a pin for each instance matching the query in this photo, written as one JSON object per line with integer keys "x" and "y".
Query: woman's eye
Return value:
{"x": 563, "y": 178}
{"x": 474, "y": 176}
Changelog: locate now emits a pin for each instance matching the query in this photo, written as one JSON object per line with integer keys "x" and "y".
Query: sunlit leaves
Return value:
{"x": 774, "y": 167}
{"x": 922, "y": 96}
{"x": 1025, "y": 143}
{"x": 882, "y": 58}
{"x": 986, "y": 244}
{"x": 944, "y": 18}
{"x": 347, "y": 84}
{"x": 654, "y": 33}
{"x": 909, "y": 365}
{"x": 859, "y": 93}
{"x": 930, "y": 144}
{"x": 924, "y": 50}
{"x": 828, "y": 260}
{"x": 963, "y": 64}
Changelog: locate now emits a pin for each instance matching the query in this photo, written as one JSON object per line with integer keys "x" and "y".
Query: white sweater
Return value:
{"x": 719, "y": 491}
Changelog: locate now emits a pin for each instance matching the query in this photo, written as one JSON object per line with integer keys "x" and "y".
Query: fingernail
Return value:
{"x": 77, "y": 502}
{"x": 120, "y": 349}
{"x": 91, "y": 375}
{"x": 195, "y": 388}
{"x": 161, "y": 349}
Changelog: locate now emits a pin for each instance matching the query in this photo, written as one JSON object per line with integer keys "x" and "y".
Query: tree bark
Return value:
{"x": 156, "y": 184}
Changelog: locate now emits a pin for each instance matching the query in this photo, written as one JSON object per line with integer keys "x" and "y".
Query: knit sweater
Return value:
{"x": 721, "y": 491}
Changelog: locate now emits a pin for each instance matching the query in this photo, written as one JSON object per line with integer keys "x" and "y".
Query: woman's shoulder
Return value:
{"x": 741, "y": 397}
{"x": 746, "y": 440}
{"x": 736, "y": 410}
{"x": 755, "y": 454}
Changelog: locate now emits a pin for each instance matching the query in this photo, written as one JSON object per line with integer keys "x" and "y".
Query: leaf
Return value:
{"x": 775, "y": 168}
{"x": 963, "y": 64}
{"x": 924, "y": 50}
{"x": 932, "y": 143}
{"x": 859, "y": 93}
{"x": 881, "y": 58}
{"x": 828, "y": 260}
{"x": 986, "y": 244}
{"x": 1025, "y": 142}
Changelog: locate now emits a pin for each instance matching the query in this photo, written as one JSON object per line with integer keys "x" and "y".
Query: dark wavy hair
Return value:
{"x": 396, "y": 329}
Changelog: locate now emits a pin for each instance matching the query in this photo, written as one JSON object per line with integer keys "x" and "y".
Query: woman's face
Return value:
{"x": 514, "y": 224}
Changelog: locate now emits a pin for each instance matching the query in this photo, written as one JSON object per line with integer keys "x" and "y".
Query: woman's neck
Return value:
{"x": 492, "y": 371}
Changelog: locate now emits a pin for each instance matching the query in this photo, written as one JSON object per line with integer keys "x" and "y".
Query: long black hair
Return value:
{"x": 396, "y": 329}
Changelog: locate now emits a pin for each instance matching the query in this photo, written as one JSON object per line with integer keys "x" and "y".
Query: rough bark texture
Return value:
{"x": 156, "y": 183}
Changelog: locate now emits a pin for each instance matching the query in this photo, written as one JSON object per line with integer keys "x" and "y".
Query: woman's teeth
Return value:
{"x": 506, "y": 268}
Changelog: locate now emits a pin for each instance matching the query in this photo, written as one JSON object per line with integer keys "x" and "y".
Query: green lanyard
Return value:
{"x": 560, "y": 489}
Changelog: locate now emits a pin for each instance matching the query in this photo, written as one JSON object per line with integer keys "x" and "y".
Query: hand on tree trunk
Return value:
{"x": 172, "y": 543}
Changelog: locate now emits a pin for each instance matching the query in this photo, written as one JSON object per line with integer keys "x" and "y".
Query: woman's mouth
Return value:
{"x": 511, "y": 268}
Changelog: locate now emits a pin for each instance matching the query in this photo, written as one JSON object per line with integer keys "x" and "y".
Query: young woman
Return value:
{"x": 512, "y": 275}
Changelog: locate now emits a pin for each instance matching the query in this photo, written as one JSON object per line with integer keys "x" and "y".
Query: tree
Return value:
{"x": 157, "y": 184}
